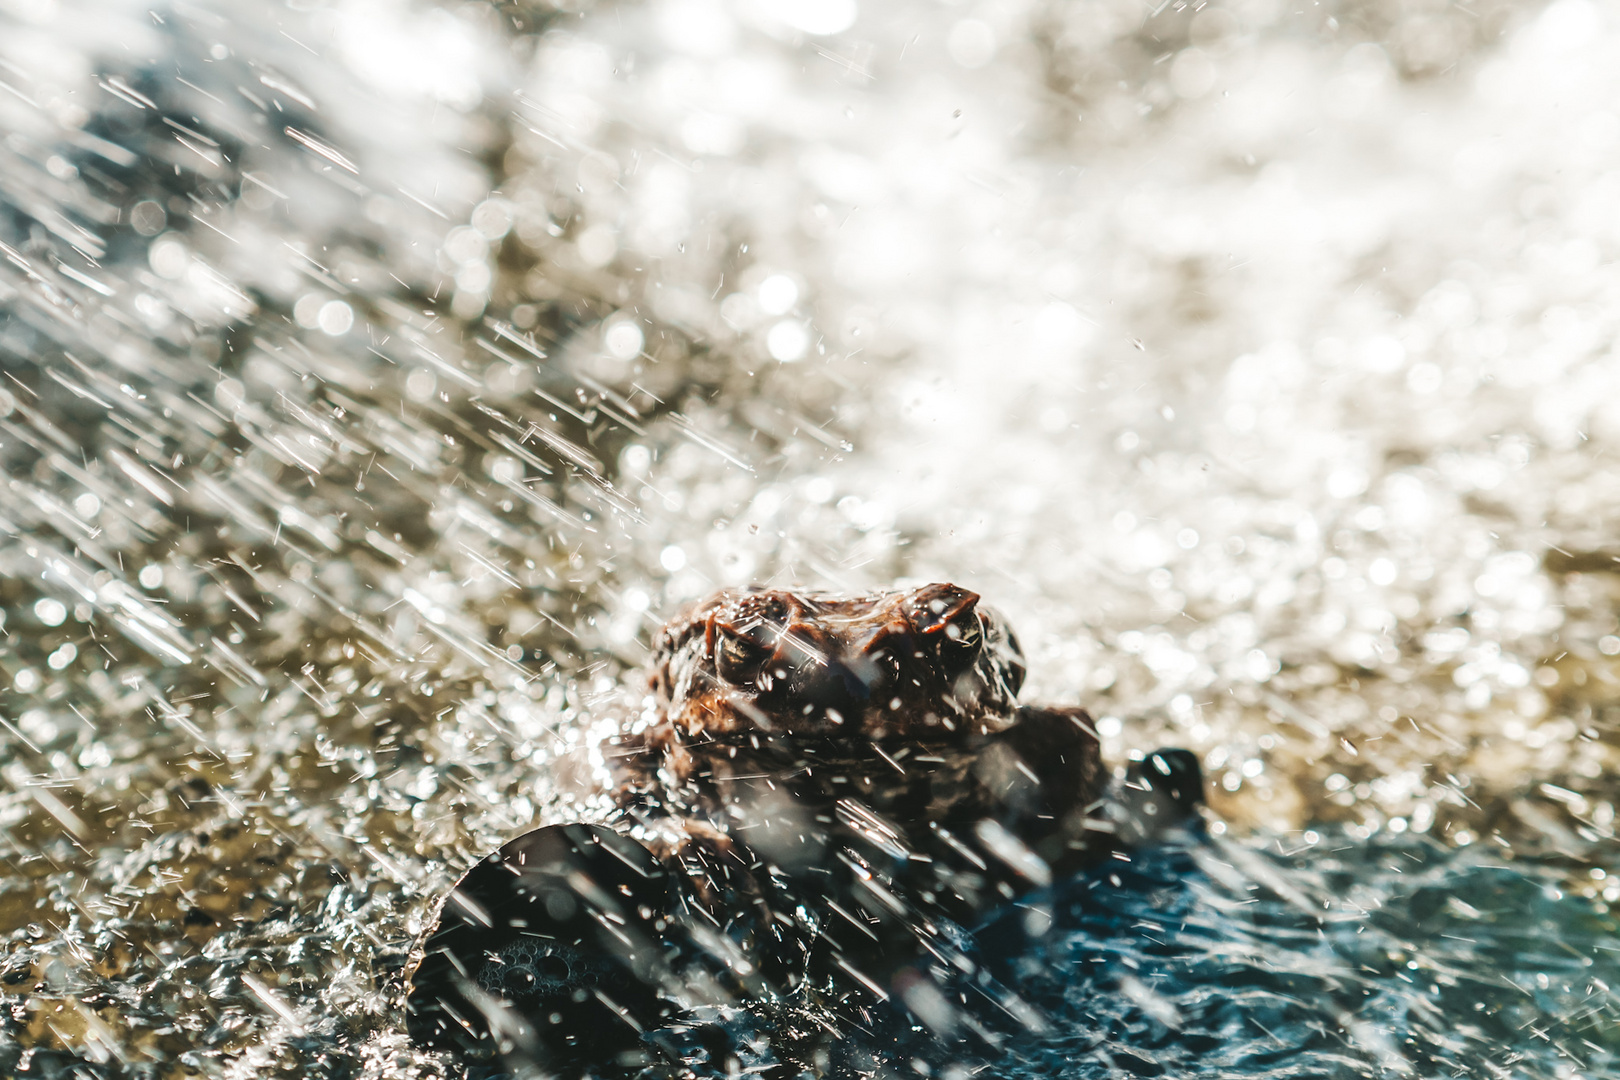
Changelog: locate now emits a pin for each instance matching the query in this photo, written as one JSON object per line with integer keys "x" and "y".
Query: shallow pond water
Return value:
{"x": 375, "y": 378}
{"x": 1338, "y": 960}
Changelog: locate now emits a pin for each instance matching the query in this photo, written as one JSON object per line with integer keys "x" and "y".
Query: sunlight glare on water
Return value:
{"x": 377, "y": 377}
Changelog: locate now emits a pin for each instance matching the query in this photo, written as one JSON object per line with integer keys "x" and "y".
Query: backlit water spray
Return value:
{"x": 375, "y": 378}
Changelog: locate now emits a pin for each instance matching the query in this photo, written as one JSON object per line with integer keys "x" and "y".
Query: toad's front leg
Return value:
{"x": 1057, "y": 798}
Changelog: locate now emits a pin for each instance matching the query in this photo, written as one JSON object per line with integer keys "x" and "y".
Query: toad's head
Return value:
{"x": 928, "y": 662}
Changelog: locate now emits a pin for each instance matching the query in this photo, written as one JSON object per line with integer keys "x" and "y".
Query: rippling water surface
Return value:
{"x": 375, "y": 377}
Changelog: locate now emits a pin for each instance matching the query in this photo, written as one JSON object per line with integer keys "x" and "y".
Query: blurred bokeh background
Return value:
{"x": 376, "y": 376}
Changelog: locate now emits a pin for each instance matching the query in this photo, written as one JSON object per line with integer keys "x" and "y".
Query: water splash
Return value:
{"x": 376, "y": 378}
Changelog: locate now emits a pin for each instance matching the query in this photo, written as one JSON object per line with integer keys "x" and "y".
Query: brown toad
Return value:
{"x": 904, "y": 665}
{"x": 819, "y": 794}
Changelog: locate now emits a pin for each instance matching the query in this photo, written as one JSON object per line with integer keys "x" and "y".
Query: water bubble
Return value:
{"x": 711, "y": 133}
{"x": 147, "y": 218}
{"x": 151, "y": 576}
{"x": 1346, "y": 482}
{"x": 971, "y": 43}
{"x": 504, "y": 378}
{"x": 1382, "y": 354}
{"x": 817, "y": 17}
{"x": 420, "y": 384}
{"x": 492, "y": 218}
{"x": 635, "y": 459}
{"x": 465, "y": 244}
{"x": 87, "y": 505}
{"x": 599, "y": 173}
{"x": 307, "y": 310}
{"x": 623, "y": 339}
{"x": 25, "y": 681}
{"x": 169, "y": 257}
{"x": 1057, "y": 332}
{"x": 739, "y": 310}
{"x": 672, "y": 558}
{"x": 230, "y": 394}
{"x": 1425, "y": 378}
{"x": 50, "y": 611}
{"x": 62, "y": 657}
{"x": 597, "y": 246}
{"x": 474, "y": 277}
{"x": 503, "y": 469}
{"x": 1192, "y": 74}
{"x": 698, "y": 27}
{"x": 787, "y": 341}
{"x": 777, "y": 294}
{"x": 336, "y": 318}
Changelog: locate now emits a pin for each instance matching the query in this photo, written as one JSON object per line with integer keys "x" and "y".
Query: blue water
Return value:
{"x": 1339, "y": 961}
{"x": 1223, "y": 960}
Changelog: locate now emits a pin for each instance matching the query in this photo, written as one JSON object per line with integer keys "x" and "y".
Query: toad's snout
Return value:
{"x": 843, "y": 678}
{"x": 830, "y": 688}
{"x": 826, "y": 677}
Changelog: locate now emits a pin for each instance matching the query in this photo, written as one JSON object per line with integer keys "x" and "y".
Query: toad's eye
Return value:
{"x": 944, "y": 617}
{"x": 960, "y": 642}
{"x": 739, "y": 657}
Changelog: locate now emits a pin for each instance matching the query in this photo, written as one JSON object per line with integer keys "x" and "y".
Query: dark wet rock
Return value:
{"x": 548, "y": 949}
{"x": 823, "y": 798}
